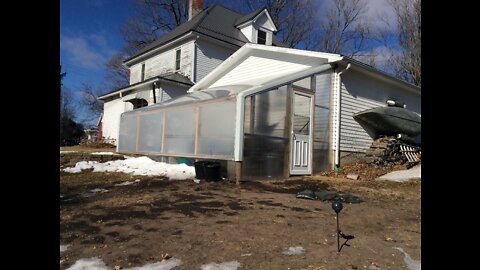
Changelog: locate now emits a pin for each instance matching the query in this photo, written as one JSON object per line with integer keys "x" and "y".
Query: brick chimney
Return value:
{"x": 194, "y": 7}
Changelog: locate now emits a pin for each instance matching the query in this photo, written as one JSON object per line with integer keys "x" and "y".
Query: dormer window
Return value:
{"x": 262, "y": 37}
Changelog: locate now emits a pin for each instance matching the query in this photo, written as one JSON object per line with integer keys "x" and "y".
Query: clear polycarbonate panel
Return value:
{"x": 263, "y": 157}
{"x": 322, "y": 152}
{"x": 321, "y": 127}
{"x": 180, "y": 131}
{"x": 270, "y": 112}
{"x": 217, "y": 128}
{"x": 321, "y": 157}
{"x": 323, "y": 85}
{"x": 128, "y": 133}
{"x": 247, "y": 120}
{"x": 304, "y": 83}
{"x": 265, "y": 138}
{"x": 150, "y": 134}
{"x": 197, "y": 96}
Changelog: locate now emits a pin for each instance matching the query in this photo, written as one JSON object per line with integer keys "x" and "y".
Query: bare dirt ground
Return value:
{"x": 252, "y": 223}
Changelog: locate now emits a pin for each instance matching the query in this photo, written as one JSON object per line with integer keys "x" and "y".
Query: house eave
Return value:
{"x": 376, "y": 73}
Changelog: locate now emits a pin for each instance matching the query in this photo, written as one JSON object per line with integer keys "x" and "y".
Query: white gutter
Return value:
{"x": 128, "y": 88}
{"x": 240, "y": 114}
{"x": 338, "y": 87}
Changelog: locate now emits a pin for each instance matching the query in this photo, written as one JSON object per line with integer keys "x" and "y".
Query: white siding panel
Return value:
{"x": 208, "y": 57}
{"x": 164, "y": 62}
{"x": 111, "y": 117}
{"x": 135, "y": 73}
{"x": 169, "y": 91}
{"x": 248, "y": 32}
{"x": 256, "y": 70}
{"x": 361, "y": 92}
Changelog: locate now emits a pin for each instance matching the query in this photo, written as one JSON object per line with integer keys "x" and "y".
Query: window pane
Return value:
{"x": 177, "y": 59}
{"x": 301, "y": 114}
{"x": 262, "y": 37}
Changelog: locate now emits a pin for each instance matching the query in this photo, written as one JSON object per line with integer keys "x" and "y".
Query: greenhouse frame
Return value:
{"x": 265, "y": 112}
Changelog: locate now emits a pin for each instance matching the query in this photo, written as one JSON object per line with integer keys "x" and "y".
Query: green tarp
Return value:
{"x": 328, "y": 196}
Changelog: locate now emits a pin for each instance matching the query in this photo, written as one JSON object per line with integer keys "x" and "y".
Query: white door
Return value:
{"x": 301, "y": 156}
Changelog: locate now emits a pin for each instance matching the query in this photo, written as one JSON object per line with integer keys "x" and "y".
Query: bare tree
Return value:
{"x": 404, "y": 45}
{"x": 91, "y": 103}
{"x": 295, "y": 20}
{"x": 116, "y": 73}
{"x": 152, "y": 19}
{"x": 344, "y": 29}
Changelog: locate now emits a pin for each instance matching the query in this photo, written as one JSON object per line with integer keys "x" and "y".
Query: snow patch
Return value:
{"x": 89, "y": 264}
{"x": 98, "y": 264}
{"x": 64, "y": 248}
{"x": 166, "y": 265}
{"x": 233, "y": 265}
{"x": 105, "y": 153}
{"x": 294, "y": 251}
{"x": 126, "y": 183}
{"x": 137, "y": 166}
{"x": 411, "y": 263}
{"x": 96, "y": 190}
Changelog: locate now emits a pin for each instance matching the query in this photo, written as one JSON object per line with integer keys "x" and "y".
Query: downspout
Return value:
{"x": 339, "y": 98}
{"x": 154, "y": 96}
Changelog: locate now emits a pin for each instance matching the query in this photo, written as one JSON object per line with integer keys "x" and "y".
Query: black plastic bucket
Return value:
{"x": 212, "y": 171}
{"x": 200, "y": 169}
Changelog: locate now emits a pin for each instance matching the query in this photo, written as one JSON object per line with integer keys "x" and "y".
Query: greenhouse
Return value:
{"x": 265, "y": 112}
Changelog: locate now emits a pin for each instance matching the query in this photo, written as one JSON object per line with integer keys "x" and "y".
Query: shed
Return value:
{"x": 265, "y": 112}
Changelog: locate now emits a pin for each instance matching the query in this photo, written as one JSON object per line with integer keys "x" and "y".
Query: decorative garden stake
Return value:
{"x": 337, "y": 207}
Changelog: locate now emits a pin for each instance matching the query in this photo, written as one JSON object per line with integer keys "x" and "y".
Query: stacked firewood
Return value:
{"x": 385, "y": 152}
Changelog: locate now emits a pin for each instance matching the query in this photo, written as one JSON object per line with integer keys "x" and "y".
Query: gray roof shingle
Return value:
{"x": 215, "y": 21}
{"x": 248, "y": 17}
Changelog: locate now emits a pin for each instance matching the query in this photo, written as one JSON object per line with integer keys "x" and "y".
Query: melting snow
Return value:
{"x": 137, "y": 166}
{"x": 102, "y": 190}
{"x": 126, "y": 183}
{"x": 411, "y": 263}
{"x": 89, "y": 264}
{"x": 294, "y": 251}
{"x": 233, "y": 265}
{"x": 64, "y": 248}
{"x": 98, "y": 264}
{"x": 104, "y": 153}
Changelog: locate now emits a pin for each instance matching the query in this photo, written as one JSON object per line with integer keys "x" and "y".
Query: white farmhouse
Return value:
{"x": 168, "y": 67}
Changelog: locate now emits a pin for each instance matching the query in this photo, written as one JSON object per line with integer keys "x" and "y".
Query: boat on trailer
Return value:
{"x": 389, "y": 121}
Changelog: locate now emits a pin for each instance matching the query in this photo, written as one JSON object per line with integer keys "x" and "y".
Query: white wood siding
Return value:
{"x": 208, "y": 57}
{"x": 361, "y": 92}
{"x": 248, "y": 32}
{"x": 169, "y": 91}
{"x": 135, "y": 73}
{"x": 164, "y": 62}
{"x": 111, "y": 117}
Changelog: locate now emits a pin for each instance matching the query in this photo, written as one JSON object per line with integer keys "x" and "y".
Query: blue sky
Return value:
{"x": 89, "y": 36}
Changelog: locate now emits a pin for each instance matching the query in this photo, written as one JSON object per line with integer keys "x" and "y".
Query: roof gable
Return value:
{"x": 255, "y": 64}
